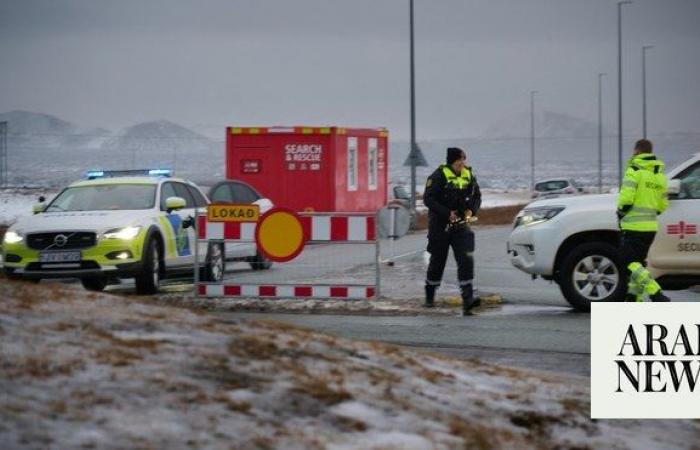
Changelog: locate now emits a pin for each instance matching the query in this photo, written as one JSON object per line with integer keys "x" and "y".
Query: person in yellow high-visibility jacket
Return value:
{"x": 643, "y": 196}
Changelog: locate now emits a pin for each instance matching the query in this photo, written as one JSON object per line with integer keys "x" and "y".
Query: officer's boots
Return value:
{"x": 659, "y": 297}
{"x": 468, "y": 301}
{"x": 429, "y": 296}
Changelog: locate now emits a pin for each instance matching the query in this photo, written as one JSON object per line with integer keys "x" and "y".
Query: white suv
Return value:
{"x": 574, "y": 241}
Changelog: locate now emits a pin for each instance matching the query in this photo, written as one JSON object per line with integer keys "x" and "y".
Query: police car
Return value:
{"x": 574, "y": 241}
{"x": 112, "y": 225}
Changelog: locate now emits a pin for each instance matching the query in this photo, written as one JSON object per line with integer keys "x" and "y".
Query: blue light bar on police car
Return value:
{"x": 93, "y": 174}
{"x": 160, "y": 172}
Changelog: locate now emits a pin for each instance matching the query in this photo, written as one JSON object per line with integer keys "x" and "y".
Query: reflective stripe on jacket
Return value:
{"x": 461, "y": 181}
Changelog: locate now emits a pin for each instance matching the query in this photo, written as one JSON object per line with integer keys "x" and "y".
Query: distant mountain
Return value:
{"x": 156, "y": 136}
{"x": 547, "y": 124}
{"x": 29, "y": 130}
{"x": 45, "y": 149}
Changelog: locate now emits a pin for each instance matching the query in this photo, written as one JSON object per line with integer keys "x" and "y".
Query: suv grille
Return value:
{"x": 73, "y": 240}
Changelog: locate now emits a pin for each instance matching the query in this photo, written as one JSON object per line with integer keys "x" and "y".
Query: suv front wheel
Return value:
{"x": 589, "y": 273}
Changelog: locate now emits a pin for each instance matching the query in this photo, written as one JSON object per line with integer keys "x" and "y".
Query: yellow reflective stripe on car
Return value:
{"x": 169, "y": 236}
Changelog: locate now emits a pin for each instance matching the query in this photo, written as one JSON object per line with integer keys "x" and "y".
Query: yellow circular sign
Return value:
{"x": 280, "y": 235}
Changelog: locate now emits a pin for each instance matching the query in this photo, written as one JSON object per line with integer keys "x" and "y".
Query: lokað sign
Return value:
{"x": 233, "y": 213}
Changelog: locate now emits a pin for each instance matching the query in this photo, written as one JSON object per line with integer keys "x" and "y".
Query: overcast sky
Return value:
{"x": 217, "y": 62}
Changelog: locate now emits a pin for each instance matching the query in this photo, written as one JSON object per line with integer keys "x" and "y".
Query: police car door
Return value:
{"x": 677, "y": 244}
{"x": 179, "y": 240}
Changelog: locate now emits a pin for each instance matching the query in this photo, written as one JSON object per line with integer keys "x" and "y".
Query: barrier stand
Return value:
{"x": 281, "y": 235}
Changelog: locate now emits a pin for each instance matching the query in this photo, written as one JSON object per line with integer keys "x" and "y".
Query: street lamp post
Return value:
{"x": 619, "y": 89}
{"x": 532, "y": 140}
{"x": 644, "y": 88}
{"x": 600, "y": 132}
{"x": 412, "y": 151}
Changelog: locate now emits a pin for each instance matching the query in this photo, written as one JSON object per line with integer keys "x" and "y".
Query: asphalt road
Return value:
{"x": 533, "y": 328}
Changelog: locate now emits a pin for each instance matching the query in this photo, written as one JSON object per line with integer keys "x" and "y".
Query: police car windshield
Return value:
{"x": 105, "y": 197}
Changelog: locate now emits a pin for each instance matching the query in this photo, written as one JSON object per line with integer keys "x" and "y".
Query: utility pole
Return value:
{"x": 644, "y": 89}
{"x": 619, "y": 89}
{"x": 600, "y": 132}
{"x": 532, "y": 140}
{"x": 412, "y": 151}
{"x": 3, "y": 154}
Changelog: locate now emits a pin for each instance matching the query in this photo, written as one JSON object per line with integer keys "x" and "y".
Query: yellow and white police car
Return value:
{"x": 113, "y": 225}
{"x": 574, "y": 241}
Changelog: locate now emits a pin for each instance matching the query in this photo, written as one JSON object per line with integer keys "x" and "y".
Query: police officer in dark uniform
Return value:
{"x": 453, "y": 197}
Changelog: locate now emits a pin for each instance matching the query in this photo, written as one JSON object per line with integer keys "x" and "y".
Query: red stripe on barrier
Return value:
{"x": 232, "y": 230}
{"x": 370, "y": 292}
{"x": 306, "y": 227}
{"x": 202, "y": 226}
{"x": 303, "y": 291}
{"x": 339, "y": 292}
{"x": 268, "y": 291}
{"x": 339, "y": 228}
{"x": 202, "y": 289}
{"x": 370, "y": 228}
{"x": 232, "y": 290}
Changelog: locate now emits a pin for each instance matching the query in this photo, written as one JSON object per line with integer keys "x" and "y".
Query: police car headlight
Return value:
{"x": 13, "y": 237}
{"x": 537, "y": 215}
{"x": 125, "y": 234}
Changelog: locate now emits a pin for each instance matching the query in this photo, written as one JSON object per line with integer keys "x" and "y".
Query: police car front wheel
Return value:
{"x": 148, "y": 280}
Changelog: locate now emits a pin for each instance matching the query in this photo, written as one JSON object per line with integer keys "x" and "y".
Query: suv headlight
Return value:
{"x": 537, "y": 215}
{"x": 13, "y": 237}
{"x": 125, "y": 234}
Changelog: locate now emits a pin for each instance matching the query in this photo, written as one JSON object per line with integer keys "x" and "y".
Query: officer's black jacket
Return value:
{"x": 437, "y": 200}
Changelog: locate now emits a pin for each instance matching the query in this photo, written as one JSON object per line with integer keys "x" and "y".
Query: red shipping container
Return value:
{"x": 319, "y": 169}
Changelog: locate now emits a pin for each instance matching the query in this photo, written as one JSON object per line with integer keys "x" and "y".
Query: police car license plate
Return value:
{"x": 59, "y": 257}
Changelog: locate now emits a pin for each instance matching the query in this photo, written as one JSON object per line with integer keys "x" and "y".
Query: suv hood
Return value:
{"x": 76, "y": 221}
{"x": 594, "y": 201}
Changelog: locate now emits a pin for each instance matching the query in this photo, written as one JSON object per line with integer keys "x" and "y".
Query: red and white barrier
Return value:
{"x": 329, "y": 227}
{"x": 234, "y": 231}
{"x": 323, "y": 228}
{"x": 286, "y": 291}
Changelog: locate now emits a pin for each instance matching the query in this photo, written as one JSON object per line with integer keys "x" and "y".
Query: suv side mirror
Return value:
{"x": 674, "y": 187}
{"x": 174, "y": 203}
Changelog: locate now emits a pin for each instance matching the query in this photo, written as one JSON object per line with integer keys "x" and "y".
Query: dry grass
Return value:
{"x": 133, "y": 343}
{"x": 475, "y": 436}
{"x": 319, "y": 389}
{"x": 256, "y": 347}
{"x": 38, "y": 366}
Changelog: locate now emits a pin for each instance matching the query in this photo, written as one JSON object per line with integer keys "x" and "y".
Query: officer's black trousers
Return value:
{"x": 462, "y": 242}
{"x": 634, "y": 247}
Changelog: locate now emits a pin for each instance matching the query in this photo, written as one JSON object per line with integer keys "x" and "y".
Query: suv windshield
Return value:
{"x": 105, "y": 197}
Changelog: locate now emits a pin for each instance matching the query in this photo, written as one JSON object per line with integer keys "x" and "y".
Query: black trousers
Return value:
{"x": 634, "y": 247}
{"x": 461, "y": 240}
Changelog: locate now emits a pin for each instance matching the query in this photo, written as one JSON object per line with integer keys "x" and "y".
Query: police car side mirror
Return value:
{"x": 174, "y": 203}
{"x": 38, "y": 208}
{"x": 674, "y": 187}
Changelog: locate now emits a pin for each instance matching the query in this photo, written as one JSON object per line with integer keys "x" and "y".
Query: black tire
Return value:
{"x": 10, "y": 274}
{"x": 591, "y": 268}
{"x": 259, "y": 262}
{"x": 148, "y": 280}
{"x": 215, "y": 266}
{"x": 97, "y": 284}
